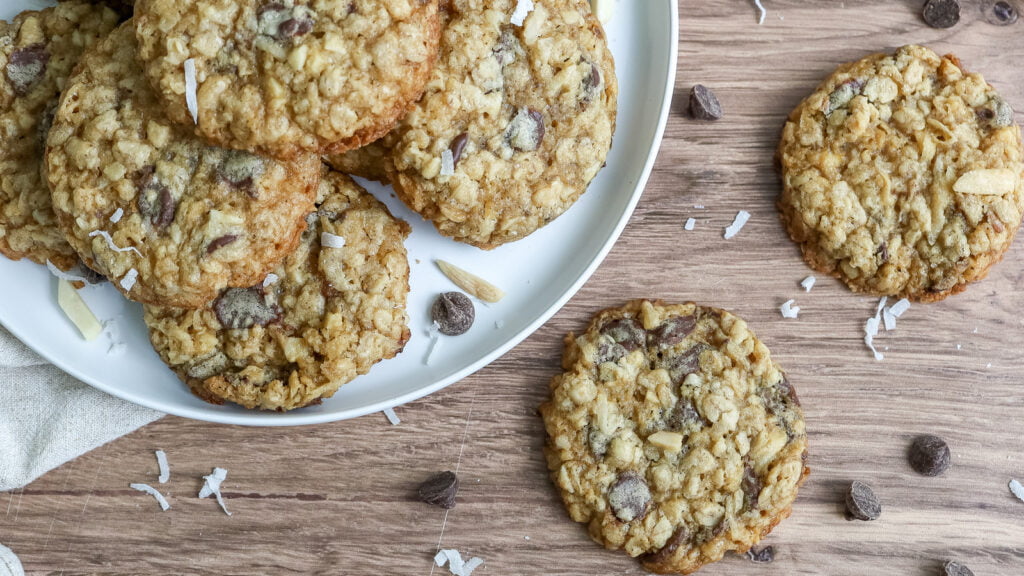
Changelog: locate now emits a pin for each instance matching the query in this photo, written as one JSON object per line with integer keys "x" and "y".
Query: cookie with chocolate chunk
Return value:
{"x": 284, "y": 76}
{"x": 903, "y": 175}
{"x": 38, "y": 50}
{"x": 168, "y": 219}
{"x": 328, "y": 314}
{"x": 673, "y": 435}
{"x": 514, "y": 124}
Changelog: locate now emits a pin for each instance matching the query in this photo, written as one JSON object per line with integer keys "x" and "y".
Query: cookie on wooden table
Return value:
{"x": 38, "y": 50}
{"x": 673, "y": 435}
{"x": 329, "y": 313}
{"x": 515, "y": 122}
{"x": 903, "y": 175}
{"x": 168, "y": 219}
{"x": 284, "y": 76}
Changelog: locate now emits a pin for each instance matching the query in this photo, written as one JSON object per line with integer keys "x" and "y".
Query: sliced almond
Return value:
{"x": 471, "y": 283}
{"x": 668, "y": 441}
{"x": 77, "y": 310}
{"x": 987, "y": 181}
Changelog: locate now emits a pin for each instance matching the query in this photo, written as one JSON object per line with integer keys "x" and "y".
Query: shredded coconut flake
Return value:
{"x": 523, "y": 7}
{"x": 270, "y": 279}
{"x": 888, "y": 319}
{"x": 455, "y": 563}
{"x": 762, "y": 13}
{"x": 435, "y": 343}
{"x": 899, "y": 308}
{"x": 788, "y": 310}
{"x": 328, "y": 240}
{"x": 737, "y": 224}
{"x": 392, "y": 417}
{"x": 211, "y": 486}
{"x": 165, "y": 471}
{"x": 9, "y": 561}
{"x": 808, "y": 283}
{"x": 191, "y": 87}
{"x": 110, "y": 242}
{"x": 64, "y": 275}
{"x": 499, "y": 324}
{"x": 698, "y": 206}
{"x": 154, "y": 493}
{"x": 871, "y": 328}
{"x": 1017, "y": 489}
{"x": 690, "y": 224}
{"x": 128, "y": 282}
{"x": 447, "y": 163}
{"x": 116, "y": 216}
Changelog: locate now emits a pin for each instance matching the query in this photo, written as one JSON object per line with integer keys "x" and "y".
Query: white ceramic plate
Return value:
{"x": 539, "y": 273}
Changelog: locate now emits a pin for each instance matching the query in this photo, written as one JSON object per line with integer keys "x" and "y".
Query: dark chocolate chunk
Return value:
{"x": 221, "y": 242}
{"x": 704, "y": 104}
{"x": 673, "y": 331}
{"x": 453, "y": 313}
{"x": 929, "y": 455}
{"x": 294, "y": 27}
{"x": 681, "y": 535}
{"x": 683, "y": 414}
{"x": 941, "y": 13}
{"x": 751, "y": 486}
{"x": 629, "y": 497}
{"x": 842, "y": 95}
{"x": 239, "y": 308}
{"x": 525, "y": 130}
{"x": 440, "y": 489}
{"x": 155, "y": 201}
{"x": 765, "y": 555}
{"x": 626, "y": 335}
{"x": 25, "y": 66}
{"x": 458, "y": 145}
{"x": 861, "y": 502}
{"x": 681, "y": 365}
{"x": 240, "y": 171}
{"x": 954, "y": 568}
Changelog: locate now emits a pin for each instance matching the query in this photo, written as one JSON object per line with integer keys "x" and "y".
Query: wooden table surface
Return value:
{"x": 338, "y": 498}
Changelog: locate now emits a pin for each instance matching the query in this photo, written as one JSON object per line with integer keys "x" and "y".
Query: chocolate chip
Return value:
{"x": 453, "y": 313}
{"x": 270, "y": 7}
{"x": 629, "y": 497}
{"x": 626, "y": 335}
{"x": 294, "y": 27}
{"x": 591, "y": 84}
{"x": 681, "y": 535}
{"x": 842, "y": 95}
{"x": 765, "y": 555}
{"x": 598, "y": 442}
{"x": 458, "y": 145}
{"x": 526, "y": 130}
{"x": 751, "y": 486}
{"x": 954, "y": 568}
{"x": 209, "y": 366}
{"x": 786, "y": 388}
{"x": 997, "y": 113}
{"x": 221, "y": 242}
{"x": 240, "y": 171}
{"x": 239, "y": 308}
{"x": 929, "y": 455}
{"x": 999, "y": 12}
{"x": 861, "y": 502}
{"x": 683, "y": 414}
{"x": 941, "y": 13}
{"x": 708, "y": 533}
{"x": 883, "y": 252}
{"x": 681, "y": 365}
{"x": 704, "y": 104}
{"x": 440, "y": 489}
{"x": 673, "y": 331}
{"x": 155, "y": 200}
{"x": 26, "y": 66}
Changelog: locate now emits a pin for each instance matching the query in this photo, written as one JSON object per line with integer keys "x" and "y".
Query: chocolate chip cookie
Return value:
{"x": 514, "y": 124}
{"x": 329, "y": 313}
{"x": 673, "y": 435}
{"x": 38, "y": 49}
{"x": 283, "y": 76}
{"x": 903, "y": 175}
{"x": 169, "y": 220}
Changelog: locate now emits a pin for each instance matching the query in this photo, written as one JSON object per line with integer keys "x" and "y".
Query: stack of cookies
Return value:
{"x": 179, "y": 155}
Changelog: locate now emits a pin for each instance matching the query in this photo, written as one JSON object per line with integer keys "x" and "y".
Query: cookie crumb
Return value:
{"x": 328, "y": 240}
{"x": 191, "y": 89}
{"x": 165, "y": 470}
{"x": 690, "y": 224}
{"x": 523, "y": 8}
{"x": 211, "y": 486}
{"x": 737, "y": 224}
{"x": 393, "y": 418}
{"x": 154, "y": 493}
{"x": 788, "y": 310}
{"x": 808, "y": 283}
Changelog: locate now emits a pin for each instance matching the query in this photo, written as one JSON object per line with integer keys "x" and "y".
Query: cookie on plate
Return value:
{"x": 329, "y": 313}
{"x": 38, "y": 49}
{"x": 903, "y": 175}
{"x": 673, "y": 435}
{"x": 514, "y": 124}
{"x": 144, "y": 202}
{"x": 284, "y": 76}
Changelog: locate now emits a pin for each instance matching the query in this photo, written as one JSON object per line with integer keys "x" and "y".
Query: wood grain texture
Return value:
{"x": 338, "y": 498}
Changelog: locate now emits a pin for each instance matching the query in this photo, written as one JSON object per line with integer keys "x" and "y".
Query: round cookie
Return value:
{"x": 168, "y": 219}
{"x": 327, "y": 315}
{"x": 903, "y": 175}
{"x": 673, "y": 435}
{"x": 524, "y": 113}
{"x": 38, "y": 49}
{"x": 284, "y": 76}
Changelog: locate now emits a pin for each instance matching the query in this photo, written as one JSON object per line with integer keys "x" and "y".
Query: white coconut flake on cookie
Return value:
{"x": 110, "y": 242}
{"x": 523, "y": 8}
{"x": 191, "y": 89}
{"x": 447, "y": 163}
{"x": 328, "y": 240}
{"x": 117, "y": 215}
{"x": 129, "y": 279}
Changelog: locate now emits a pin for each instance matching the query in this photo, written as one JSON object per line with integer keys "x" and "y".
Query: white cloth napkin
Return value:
{"x": 48, "y": 417}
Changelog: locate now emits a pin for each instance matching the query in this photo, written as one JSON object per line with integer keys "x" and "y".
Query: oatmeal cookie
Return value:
{"x": 524, "y": 113}
{"x": 327, "y": 315}
{"x": 168, "y": 219}
{"x": 38, "y": 49}
{"x": 673, "y": 435}
{"x": 903, "y": 175}
{"x": 282, "y": 76}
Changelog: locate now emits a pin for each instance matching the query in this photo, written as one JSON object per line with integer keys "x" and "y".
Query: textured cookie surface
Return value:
{"x": 525, "y": 114}
{"x": 279, "y": 76}
{"x": 673, "y": 435}
{"x": 37, "y": 52}
{"x": 168, "y": 219}
{"x": 903, "y": 175}
{"x": 327, "y": 315}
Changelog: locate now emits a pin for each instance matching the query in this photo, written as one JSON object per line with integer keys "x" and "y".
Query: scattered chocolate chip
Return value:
{"x": 453, "y": 313}
{"x": 240, "y": 171}
{"x": 458, "y": 145}
{"x": 629, "y": 497}
{"x": 751, "y": 486}
{"x": 765, "y": 555}
{"x": 673, "y": 331}
{"x": 999, "y": 12}
{"x": 598, "y": 442}
{"x": 997, "y": 113}
{"x": 788, "y": 390}
{"x": 526, "y": 130}
{"x": 941, "y": 13}
{"x": 954, "y": 568}
{"x": 681, "y": 365}
{"x": 25, "y": 66}
{"x": 861, "y": 502}
{"x": 842, "y": 95}
{"x": 221, "y": 242}
{"x": 294, "y": 27}
{"x": 239, "y": 308}
{"x": 704, "y": 104}
{"x": 591, "y": 84}
{"x": 626, "y": 335}
{"x": 440, "y": 489}
{"x": 166, "y": 207}
{"x": 929, "y": 455}
{"x": 683, "y": 414}
{"x": 681, "y": 535}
